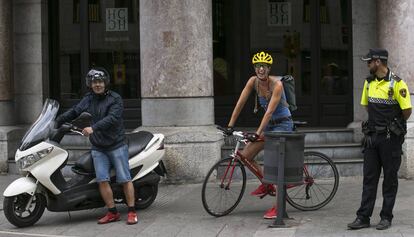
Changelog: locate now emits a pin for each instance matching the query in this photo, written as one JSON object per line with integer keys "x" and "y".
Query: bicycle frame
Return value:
{"x": 249, "y": 164}
{"x": 230, "y": 174}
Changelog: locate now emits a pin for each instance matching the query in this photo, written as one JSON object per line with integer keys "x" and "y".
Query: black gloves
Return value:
{"x": 252, "y": 137}
{"x": 228, "y": 131}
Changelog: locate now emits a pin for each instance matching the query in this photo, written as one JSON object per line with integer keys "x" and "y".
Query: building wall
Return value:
{"x": 31, "y": 80}
{"x": 28, "y": 71}
{"x": 364, "y": 37}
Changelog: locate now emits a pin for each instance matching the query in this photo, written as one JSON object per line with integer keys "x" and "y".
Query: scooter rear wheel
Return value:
{"x": 15, "y": 209}
{"x": 145, "y": 195}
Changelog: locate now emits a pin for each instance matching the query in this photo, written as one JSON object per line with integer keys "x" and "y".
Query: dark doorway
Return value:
{"x": 91, "y": 33}
{"x": 309, "y": 39}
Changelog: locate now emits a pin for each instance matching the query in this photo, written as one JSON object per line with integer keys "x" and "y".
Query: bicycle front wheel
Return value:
{"x": 320, "y": 183}
{"x": 223, "y": 187}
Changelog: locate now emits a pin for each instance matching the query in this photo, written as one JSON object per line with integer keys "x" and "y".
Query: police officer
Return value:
{"x": 387, "y": 100}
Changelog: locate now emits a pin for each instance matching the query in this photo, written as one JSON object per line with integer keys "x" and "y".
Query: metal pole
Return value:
{"x": 280, "y": 197}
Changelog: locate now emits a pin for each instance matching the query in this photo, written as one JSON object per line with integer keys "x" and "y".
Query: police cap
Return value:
{"x": 375, "y": 54}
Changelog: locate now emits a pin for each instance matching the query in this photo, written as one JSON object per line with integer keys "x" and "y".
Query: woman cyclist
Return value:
{"x": 272, "y": 99}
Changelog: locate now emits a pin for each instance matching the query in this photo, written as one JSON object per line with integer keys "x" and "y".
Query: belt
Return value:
{"x": 377, "y": 130}
{"x": 279, "y": 120}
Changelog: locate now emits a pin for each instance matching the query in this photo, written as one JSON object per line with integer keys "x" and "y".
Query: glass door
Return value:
{"x": 335, "y": 84}
{"x": 308, "y": 39}
{"x": 102, "y": 33}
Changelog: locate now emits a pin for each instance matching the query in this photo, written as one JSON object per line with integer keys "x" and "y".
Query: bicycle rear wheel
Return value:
{"x": 223, "y": 187}
{"x": 320, "y": 183}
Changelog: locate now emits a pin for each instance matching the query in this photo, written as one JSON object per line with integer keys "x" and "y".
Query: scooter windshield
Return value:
{"x": 39, "y": 131}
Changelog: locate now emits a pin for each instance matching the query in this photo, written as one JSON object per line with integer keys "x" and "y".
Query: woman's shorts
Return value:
{"x": 284, "y": 126}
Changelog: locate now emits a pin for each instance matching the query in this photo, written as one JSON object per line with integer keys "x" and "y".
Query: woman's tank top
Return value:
{"x": 282, "y": 109}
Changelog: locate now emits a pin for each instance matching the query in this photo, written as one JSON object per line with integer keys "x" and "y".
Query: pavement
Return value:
{"x": 178, "y": 211}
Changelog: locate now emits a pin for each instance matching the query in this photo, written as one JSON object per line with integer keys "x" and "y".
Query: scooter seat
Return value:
{"x": 137, "y": 141}
{"x": 84, "y": 165}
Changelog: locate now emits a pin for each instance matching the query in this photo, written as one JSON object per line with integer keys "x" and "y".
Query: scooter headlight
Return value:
{"x": 29, "y": 160}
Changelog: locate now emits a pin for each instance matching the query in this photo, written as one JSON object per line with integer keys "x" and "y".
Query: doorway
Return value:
{"x": 103, "y": 33}
{"x": 310, "y": 40}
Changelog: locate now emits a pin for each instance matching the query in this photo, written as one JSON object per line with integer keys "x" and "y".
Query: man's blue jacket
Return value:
{"x": 107, "y": 123}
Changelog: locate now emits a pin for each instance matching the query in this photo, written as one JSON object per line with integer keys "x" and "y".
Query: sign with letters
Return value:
{"x": 117, "y": 19}
{"x": 279, "y": 13}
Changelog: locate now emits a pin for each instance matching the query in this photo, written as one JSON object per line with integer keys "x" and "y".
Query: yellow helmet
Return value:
{"x": 262, "y": 57}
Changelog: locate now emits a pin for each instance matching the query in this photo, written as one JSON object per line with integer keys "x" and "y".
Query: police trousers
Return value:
{"x": 383, "y": 153}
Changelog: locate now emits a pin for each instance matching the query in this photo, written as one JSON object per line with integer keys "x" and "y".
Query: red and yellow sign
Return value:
{"x": 119, "y": 74}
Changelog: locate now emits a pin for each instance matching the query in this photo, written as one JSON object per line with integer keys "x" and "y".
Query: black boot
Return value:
{"x": 359, "y": 223}
{"x": 383, "y": 224}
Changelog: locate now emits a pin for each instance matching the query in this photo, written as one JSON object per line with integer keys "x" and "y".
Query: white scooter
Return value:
{"x": 41, "y": 159}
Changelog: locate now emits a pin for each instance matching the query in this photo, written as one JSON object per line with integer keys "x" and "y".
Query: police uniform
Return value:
{"x": 384, "y": 132}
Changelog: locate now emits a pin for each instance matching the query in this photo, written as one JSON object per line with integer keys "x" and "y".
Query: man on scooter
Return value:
{"x": 107, "y": 136}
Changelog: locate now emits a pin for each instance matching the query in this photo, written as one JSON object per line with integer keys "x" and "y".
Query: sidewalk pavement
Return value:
{"x": 178, "y": 211}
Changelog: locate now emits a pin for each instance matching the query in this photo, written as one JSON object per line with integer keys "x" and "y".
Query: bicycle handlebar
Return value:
{"x": 243, "y": 136}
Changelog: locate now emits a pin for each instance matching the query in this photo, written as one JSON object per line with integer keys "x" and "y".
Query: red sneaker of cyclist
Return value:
{"x": 271, "y": 213}
{"x": 132, "y": 218}
{"x": 110, "y": 217}
{"x": 263, "y": 189}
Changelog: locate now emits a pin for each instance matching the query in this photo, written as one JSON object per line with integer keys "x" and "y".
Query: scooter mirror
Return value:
{"x": 83, "y": 121}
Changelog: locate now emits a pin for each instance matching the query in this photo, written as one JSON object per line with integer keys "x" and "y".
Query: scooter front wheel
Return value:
{"x": 16, "y": 212}
{"x": 145, "y": 195}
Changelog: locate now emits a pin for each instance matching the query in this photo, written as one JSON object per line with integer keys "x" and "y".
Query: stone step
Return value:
{"x": 346, "y": 168}
{"x": 328, "y": 136}
{"x": 337, "y": 151}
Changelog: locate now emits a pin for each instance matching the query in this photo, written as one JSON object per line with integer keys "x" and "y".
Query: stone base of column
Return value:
{"x": 407, "y": 162}
{"x": 407, "y": 159}
{"x": 7, "y": 113}
{"x": 356, "y": 126}
{"x": 189, "y": 151}
{"x": 10, "y": 138}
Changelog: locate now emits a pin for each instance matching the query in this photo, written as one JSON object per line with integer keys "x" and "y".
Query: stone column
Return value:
{"x": 6, "y": 81}
{"x": 395, "y": 19}
{"x": 6, "y": 57}
{"x": 177, "y": 84}
{"x": 21, "y": 99}
{"x": 364, "y": 37}
{"x": 30, "y": 21}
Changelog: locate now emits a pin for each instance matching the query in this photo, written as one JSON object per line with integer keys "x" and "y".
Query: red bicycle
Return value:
{"x": 225, "y": 183}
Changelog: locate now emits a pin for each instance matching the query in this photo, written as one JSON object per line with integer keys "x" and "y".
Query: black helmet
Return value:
{"x": 97, "y": 73}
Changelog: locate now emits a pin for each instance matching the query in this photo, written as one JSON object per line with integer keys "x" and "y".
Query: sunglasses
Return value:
{"x": 259, "y": 65}
{"x": 371, "y": 61}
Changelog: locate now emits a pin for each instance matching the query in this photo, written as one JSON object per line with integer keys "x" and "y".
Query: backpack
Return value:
{"x": 289, "y": 88}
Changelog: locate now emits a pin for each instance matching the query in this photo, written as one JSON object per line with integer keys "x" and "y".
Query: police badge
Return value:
{"x": 403, "y": 92}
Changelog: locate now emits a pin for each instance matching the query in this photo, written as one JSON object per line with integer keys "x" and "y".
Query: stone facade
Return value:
{"x": 394, "y": 35}
{"x": 364, "y": 31}
{"x": 6, "y": 56}
{"x": 177, "y": 84}
{"x": 177, "y": 74}
{"x": 27, "y": 68}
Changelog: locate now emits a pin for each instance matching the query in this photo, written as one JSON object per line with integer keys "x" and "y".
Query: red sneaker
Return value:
{"x": 271, "y": 213}
{"x": 109, "y": 217}
{"x": 263, "y": 189}
{"x": 132, "y": 218}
